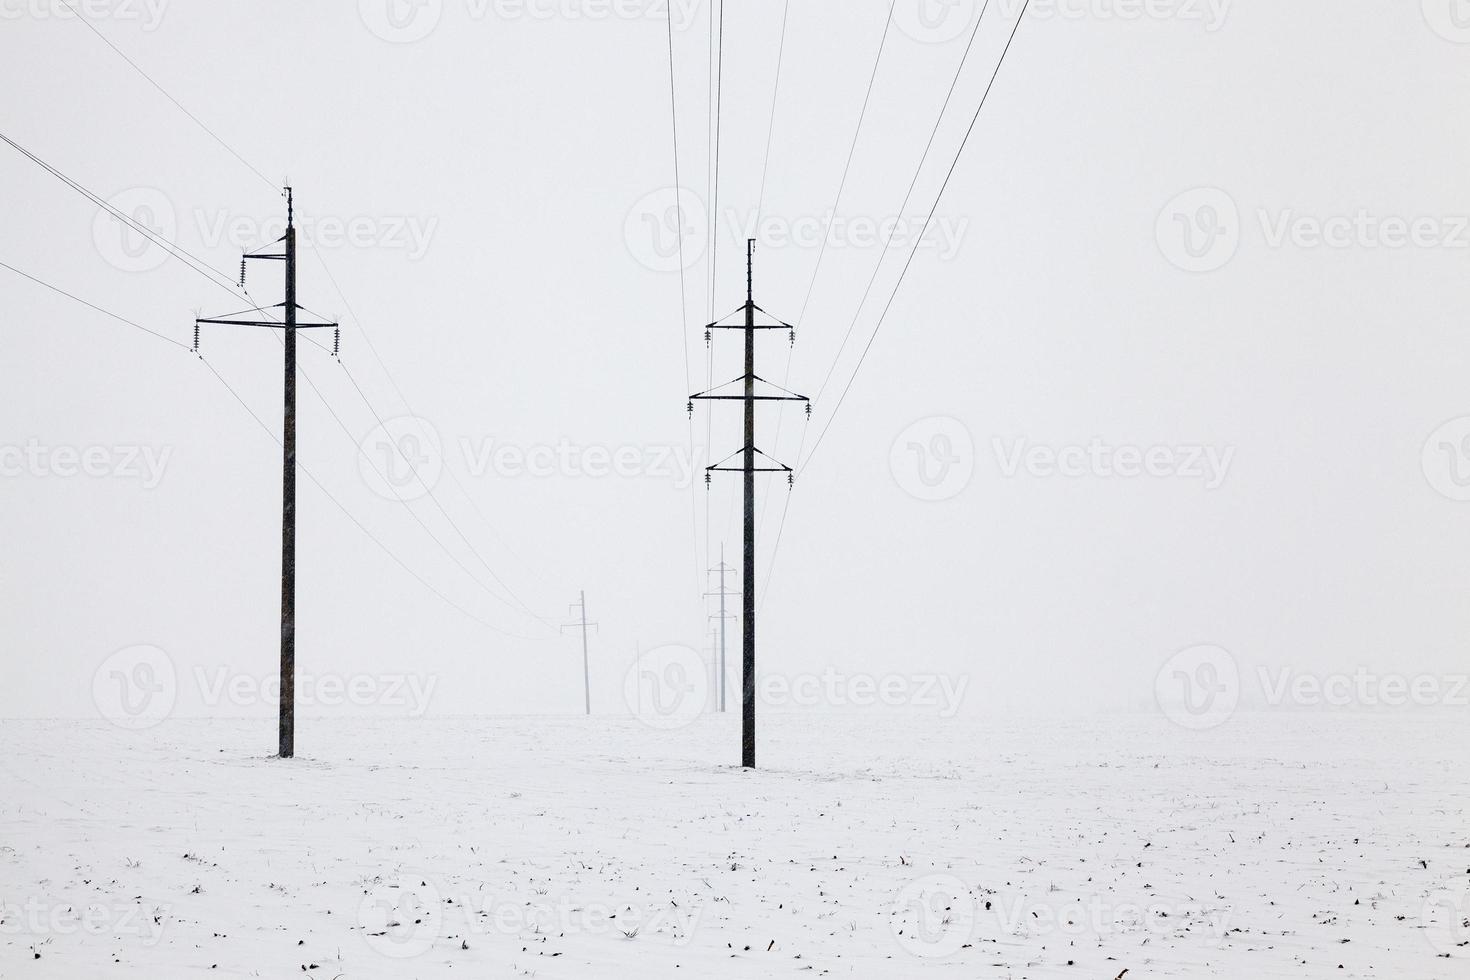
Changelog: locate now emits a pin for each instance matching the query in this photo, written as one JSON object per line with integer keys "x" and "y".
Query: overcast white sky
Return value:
{"x": 506, "y": 180}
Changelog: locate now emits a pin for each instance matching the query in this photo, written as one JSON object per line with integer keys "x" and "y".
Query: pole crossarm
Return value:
{"x": 786, "y": 396}
{"x": 721, "y": 325}
{"x": 741, "y": 326}
{"x": 720, "y": 467}
{"x": 268, "y": 323}
{"x": 735, "y": 398}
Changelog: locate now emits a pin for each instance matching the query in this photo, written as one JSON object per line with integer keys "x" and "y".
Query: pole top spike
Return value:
{"x": 750, "y": 270}
{"x": 290, "y": 206}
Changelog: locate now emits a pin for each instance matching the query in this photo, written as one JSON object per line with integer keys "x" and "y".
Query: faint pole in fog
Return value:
{"x": 723, "y": 616}
{"x": 580, "y": 608}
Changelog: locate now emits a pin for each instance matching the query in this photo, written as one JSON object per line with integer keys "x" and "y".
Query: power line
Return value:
{"x": 214, "y": 277}
{"x": 771, "y": 123}
{"x": 400, "y": 498}
{"x": 801, "y": 466}
{"x": 908, "y": 195}
{"x": 717, "y": 67}
{"x": 826, "y": 236}
{"x": 683, "y": 287}
{"x": 432, "y": 496}
{"x": 178, "y": 252}
{"x": 454, "y": 478}
{"x": 940, "y": 196}
{"x": 261, "y": 422}
{"x": 847, "y": 167}
{"x": 357, "y": 446}
{"x": 358, "y": 524}
{"x": 132, "y": 64}
{"x": 204, "y": 267}
{"x": 109, "y": 313}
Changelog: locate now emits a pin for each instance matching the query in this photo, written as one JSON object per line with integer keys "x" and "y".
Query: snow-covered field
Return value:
{"x": 1281, "y": 845}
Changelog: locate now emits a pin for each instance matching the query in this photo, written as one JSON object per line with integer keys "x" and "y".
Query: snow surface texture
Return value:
{"x": 1280, "y": 845}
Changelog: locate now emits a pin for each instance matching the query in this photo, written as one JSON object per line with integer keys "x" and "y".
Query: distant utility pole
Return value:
{"x": 286, "y": 727}
{"x": 749, "y": 468}
{"x": 581, "y": 608}
{"x": 713, "y": 648}
{"x": 723, "y": 616}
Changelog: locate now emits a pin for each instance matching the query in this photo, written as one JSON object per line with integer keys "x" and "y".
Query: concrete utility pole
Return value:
{"x": 286, "y": 721}
{"x": 581, "y": 607}
{"x": 723, "y": 616}
{"x": 749, "y": 468}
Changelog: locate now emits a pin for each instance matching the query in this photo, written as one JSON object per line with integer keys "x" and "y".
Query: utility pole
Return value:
{"x": 286, "y": 722}
{"x": 581, "y": 608}
{"x": 712, "y": 649}
{"x": 749, "y": 469}
{"x": 723, "y": 617}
